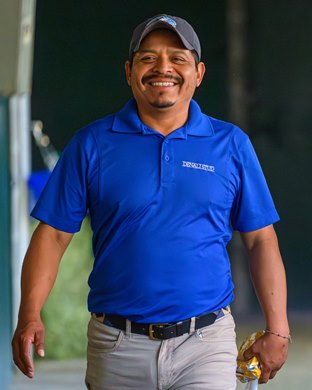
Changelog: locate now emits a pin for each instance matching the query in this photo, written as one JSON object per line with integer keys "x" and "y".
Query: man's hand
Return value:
{"x": 271, "y": 352}
{"x": 27, "y": 334}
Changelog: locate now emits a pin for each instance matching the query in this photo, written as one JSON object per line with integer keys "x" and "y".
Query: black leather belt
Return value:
{"x": 163, "y": 331}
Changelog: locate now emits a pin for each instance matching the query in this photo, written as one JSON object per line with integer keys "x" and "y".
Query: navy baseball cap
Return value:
{"x": 180, "y": 26}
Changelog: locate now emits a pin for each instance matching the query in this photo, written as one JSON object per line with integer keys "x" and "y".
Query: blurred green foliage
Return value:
{"x": 65, "y": 314}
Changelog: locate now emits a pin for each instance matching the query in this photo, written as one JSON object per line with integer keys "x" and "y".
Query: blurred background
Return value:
{"x": 62, "y": 66}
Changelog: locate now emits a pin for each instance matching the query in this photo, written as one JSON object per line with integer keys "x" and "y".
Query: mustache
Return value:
{"x": 165, "y": 77}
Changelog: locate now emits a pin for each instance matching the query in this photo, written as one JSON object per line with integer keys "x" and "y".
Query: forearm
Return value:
{"x": 269, "y": 279}
{"x": 40, "y": 268}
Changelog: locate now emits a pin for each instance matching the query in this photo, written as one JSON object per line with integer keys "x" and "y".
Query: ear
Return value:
{"x": 128, "y": 72}
{"x": 200, "y": 73}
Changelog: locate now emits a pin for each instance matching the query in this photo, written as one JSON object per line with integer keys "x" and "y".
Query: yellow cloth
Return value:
{"x": 248, "y": 370}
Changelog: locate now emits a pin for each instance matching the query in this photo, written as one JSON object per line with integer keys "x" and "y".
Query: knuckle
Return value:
{"x": 266, "y": 370}
{"x": 24, "y": 339}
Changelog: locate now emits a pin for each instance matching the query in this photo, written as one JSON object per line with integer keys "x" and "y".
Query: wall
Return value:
{"x": 281, "y": 95}
{"x": 80, "y": 52}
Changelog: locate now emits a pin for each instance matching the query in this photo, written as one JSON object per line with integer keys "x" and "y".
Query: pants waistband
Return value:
{"x": 162, "y": 331}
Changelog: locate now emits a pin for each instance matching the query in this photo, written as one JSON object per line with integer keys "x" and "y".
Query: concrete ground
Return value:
{"x": 296, "y": 373}
{"x": 53, "y": 375}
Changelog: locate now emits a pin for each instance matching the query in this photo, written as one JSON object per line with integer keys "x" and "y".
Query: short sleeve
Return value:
{"x": 63, "y": 202}
{"x": 253, "y": 206}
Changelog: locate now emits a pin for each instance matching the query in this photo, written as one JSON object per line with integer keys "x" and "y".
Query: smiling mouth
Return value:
{"x": 164, "y": 81}
{"x": 162, "y": 84}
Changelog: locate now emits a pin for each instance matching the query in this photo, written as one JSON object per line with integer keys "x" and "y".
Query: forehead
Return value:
{"x": 161, "y": 37}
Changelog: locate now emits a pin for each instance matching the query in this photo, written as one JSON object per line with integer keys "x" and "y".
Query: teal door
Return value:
{"x": 5, "y": 269}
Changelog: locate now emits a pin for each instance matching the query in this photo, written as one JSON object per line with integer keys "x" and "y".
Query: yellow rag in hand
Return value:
{"x": 249, "y": 370}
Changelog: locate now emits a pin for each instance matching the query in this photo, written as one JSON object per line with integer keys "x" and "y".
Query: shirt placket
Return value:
{"x": 167, "y": 162}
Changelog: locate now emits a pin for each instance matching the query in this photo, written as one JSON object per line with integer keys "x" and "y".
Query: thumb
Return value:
{"x": 39, "y": 343}
{"x": 248, "y": 354}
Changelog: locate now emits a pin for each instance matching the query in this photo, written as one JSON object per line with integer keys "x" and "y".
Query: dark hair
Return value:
{"x": 195, "y": 55}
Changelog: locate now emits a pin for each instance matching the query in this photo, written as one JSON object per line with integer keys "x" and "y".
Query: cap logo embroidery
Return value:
{"x": 165, "y": 19}
{"x": 194, "y": 165}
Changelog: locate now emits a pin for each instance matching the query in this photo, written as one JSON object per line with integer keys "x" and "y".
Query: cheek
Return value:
{"x": 192, "y": 82}
{"x": 136, "y": 79}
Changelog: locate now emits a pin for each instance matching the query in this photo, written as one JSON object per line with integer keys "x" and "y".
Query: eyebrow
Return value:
{"x": 174, "y": 51}
{"x": 147, "y": 51}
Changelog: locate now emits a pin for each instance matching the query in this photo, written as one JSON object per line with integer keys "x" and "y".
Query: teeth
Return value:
{"x": 162, "y": 84}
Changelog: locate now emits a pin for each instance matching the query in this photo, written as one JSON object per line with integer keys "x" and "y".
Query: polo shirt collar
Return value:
{"x": 198, "y": 124}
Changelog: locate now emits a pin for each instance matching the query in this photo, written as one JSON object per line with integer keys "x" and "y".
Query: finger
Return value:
{"x": 25, "y": 355}
{"x": 248, "y": 354}
{"x": 39, "y": 343}
{"x": 16, "y": 356}
{"x": 273, "y": 373}
{"x": 265, "y": 375}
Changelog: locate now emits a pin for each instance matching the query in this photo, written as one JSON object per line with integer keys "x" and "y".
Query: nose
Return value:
{"x": 163, "y": 65}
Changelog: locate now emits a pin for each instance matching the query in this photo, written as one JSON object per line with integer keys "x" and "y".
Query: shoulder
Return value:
{"x": 236, "y": 138}
{"x": 232, "y": 130}
{"x": 94, "y": 130}
{"x": 85, "y": 141}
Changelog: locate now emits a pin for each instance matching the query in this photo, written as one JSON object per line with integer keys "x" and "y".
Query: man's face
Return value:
{"x": 163, "y": 74}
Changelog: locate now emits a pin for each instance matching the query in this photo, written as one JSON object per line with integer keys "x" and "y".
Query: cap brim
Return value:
{"x": 159, "y": 25}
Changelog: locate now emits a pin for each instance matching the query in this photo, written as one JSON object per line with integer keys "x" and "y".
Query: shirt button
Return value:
{"x": 167, "y": 157}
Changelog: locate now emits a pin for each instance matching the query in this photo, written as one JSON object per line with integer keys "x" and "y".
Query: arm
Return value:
{"x": 269, "y": 280}
{"x": 39, "y": 272}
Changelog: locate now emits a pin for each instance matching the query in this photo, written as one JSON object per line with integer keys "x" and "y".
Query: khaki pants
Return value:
{"x": 202, "y": 360}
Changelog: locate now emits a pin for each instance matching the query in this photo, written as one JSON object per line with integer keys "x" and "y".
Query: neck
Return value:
{"x": 164, "y": 120}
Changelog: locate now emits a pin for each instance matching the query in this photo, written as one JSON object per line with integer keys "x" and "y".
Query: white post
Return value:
{"x": 20, "y": 146}
{"x": 20, "y": 170}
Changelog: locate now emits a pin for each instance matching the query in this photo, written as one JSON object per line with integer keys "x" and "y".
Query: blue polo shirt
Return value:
{"x": 162, "y": 211}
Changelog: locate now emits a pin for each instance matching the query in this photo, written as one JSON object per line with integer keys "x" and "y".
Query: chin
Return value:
{"x": 165, "y": 104}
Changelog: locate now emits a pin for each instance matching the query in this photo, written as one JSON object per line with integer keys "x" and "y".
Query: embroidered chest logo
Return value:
{"x": 194, "y": 165}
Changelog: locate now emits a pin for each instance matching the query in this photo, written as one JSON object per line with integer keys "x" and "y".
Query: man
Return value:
{"x": 164, "y": 185}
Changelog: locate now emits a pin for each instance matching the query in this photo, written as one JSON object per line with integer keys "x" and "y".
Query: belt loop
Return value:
{"x": 192, "y": 325}
{"x": 128, "y": 328}
{"x": 227, "y": 309}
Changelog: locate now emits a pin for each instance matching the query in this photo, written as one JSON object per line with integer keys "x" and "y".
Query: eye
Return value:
{"x": 178, "y": 60}
{"x": 148, "y": 58}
